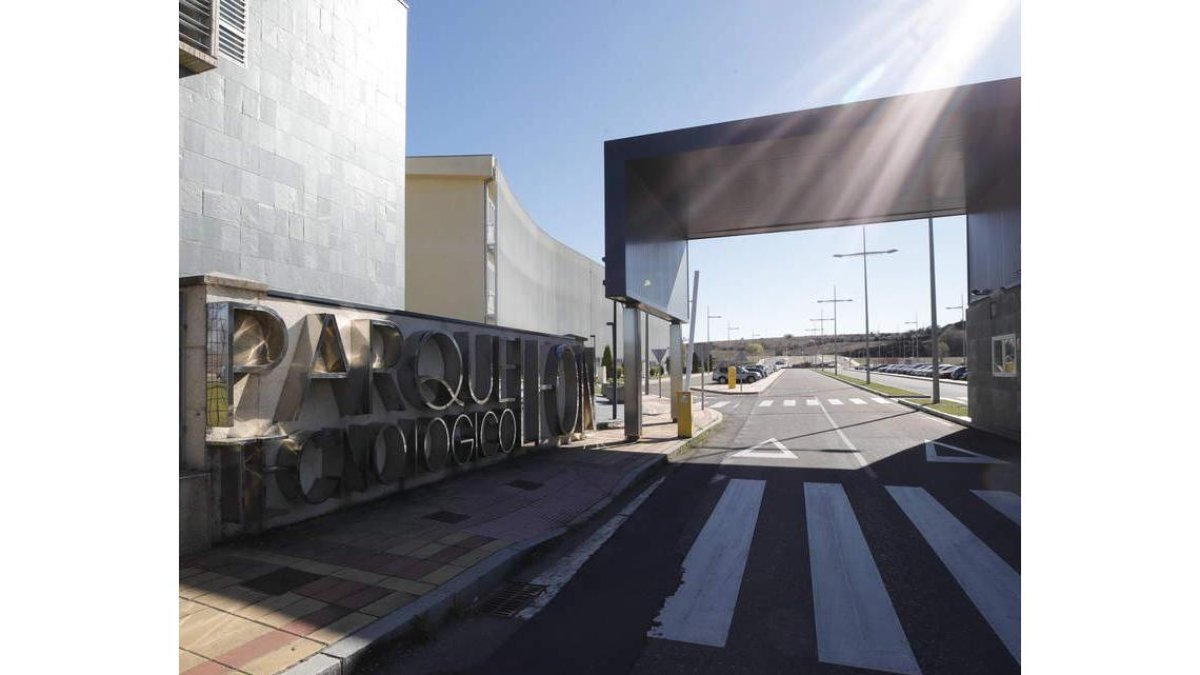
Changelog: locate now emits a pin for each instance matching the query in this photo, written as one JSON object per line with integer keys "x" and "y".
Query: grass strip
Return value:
{"x": 948, "y": 407}
{"x": 874, "y": 386}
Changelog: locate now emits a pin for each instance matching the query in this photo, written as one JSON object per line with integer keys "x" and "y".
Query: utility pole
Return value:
{"x": 866, "y": 297}
{"x": 962, "y": 308}
{"x": 729, "y": 328}
{"x": 821, "y": 346}
{"x": 835, "y": 300}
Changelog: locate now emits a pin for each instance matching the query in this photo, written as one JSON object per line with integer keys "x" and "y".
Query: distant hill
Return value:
{"x": 883, "y": 345}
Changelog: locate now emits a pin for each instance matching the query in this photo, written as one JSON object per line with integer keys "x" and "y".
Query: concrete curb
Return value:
{"x": 726, "y": 392}
{"x": 343, "y": 656}
{"x": 929, "y": 411}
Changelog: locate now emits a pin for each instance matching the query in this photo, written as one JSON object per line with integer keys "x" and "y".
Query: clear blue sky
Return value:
{"x": 543, "y": 84}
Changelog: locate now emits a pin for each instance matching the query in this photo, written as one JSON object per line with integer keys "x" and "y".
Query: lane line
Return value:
{"x": 766, "y": 404}
{"x": 735, "y": 405}
{"x": 884, "y": 401}
{"x": 834, "y": 401}
{"x": 988, "y": 581}
{"x": 854, "y": 451}
{"x": 858, "y": 401}
{"x": 701, "y": 610}
{"x": 855, "y": 620}
{"x": 563, "y": 570}
{"x": 813, "y": 401}
{"x": 1005, "y": 502}
{"x": 790, "y": 403}
{"x": 719, "y": 404}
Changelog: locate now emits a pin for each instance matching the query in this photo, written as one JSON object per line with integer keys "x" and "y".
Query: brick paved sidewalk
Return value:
{"x": 264, "y": 606}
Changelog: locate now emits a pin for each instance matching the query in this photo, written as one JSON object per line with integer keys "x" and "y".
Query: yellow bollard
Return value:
{"x": 684, "y": 399}
{"x": 731, "y": 376}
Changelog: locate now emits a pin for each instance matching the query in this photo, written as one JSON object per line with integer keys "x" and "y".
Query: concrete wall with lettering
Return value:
{"x": 292, "y": 166}
{"x": 293, "y": 409}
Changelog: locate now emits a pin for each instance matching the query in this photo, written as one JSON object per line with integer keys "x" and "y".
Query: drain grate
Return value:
{"x": 511, "y": 599}
{"x": 525, "y": 484}
{"x": 447, "y": 517}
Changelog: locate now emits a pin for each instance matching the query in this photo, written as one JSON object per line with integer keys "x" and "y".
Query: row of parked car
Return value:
{"x": 947, "y": 371}
{"x": 747, "y": 374}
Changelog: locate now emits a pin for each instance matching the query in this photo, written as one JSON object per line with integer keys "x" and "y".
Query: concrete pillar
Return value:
{"x": 632, "y": 344}
{"x": 677, "y": 357}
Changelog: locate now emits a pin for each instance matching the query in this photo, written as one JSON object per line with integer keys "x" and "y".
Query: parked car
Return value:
{"x": 959, "y": 373}
{"x": 743, "y": 375}
{"x": 761, "y": 370}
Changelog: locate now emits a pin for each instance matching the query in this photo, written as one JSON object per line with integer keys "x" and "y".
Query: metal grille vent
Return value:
{"x": 511, "y": 599}
{"x": 232, "y": 30}
{"x": 195, "y": 24}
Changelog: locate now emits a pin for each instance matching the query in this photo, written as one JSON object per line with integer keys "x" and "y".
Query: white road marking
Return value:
{"x": 735, "y": 405}
{"x": 766, "y": 404}
{"x": 790, "y": 403}
{"x": 855, "y": 620}
{"x": 561, "y": 572}
{"x": 882, "y": 400}
{"x": 931, "y": 454}
{"x": 856, "y": 454}
{"x": 834, "y": 401}
{"x": 988, "y": 581}
{"x": 719, "y": 404}
{"x": 1005, "y": 502}
{"x": 813, "y": 401}
{"x": 770, "y": 448}
{"x": 858, "y": 401}
{"x": 701, "y": 610}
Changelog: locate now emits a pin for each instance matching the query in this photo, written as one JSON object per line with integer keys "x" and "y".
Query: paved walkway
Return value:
{"x": 320, "y": 591}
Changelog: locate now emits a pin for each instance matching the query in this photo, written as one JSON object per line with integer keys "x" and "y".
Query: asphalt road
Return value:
{"x": 841, "y": 544}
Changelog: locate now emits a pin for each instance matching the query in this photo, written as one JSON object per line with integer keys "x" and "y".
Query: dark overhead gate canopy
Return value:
{"x": 899, "y": 158}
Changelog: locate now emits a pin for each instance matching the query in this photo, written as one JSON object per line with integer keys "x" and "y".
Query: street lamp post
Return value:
{"x": 821, "y": 328}
{"x": 613, "y": 323}
{"x": 866, "y": 297}
{"x": 708, "y": 336}
{"x": 914, "y": 324}
{"x": 729, "y": 328}
{"x": 962, "y": 308}
{"x": 835, "y": 300}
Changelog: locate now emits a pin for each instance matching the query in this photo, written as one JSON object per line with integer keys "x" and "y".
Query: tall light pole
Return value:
{"x": 866, "y": 297}
{"x": 914, "y": 324}
{"x": 821, "y": 327}
{"x": 707, "y": 336}
{"x": 835, "y": 300}
{"x": 729, "y": 328}
{"x": 962, "y": 308}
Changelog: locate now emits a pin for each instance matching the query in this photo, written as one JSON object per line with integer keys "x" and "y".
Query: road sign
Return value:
{"x": 659, "y": 354}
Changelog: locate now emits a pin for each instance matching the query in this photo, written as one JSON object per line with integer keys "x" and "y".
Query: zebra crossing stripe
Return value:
{"x": 858, "y": 401}
{"x": 720, "y": 404}
{"x": 855, "y": 620}
{"x": 701, "y": 610}
{"x": 988, "y": 581}
{"x": 790, "y": 403}
{"x": 813, "y": 401}
{"x": 766, "y": 404}
{"x": 833, "y": 401}
{"x": 1005, "y": 502}
{"x": 880, "y": 400}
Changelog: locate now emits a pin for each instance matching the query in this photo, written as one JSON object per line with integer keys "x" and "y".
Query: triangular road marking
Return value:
{"x": 967, "y": 456}
{"x": 774, "y": 450}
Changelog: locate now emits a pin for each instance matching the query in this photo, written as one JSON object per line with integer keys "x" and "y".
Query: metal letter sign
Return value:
{"x": 412, "y": 394}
